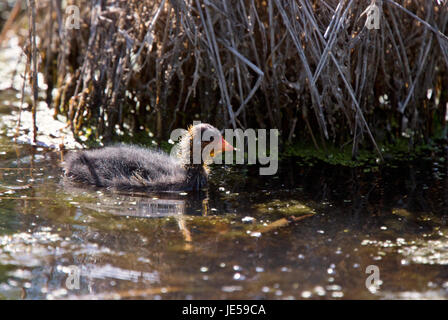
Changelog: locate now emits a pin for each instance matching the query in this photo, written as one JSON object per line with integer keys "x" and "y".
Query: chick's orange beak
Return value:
{"x": 225, "y": 146}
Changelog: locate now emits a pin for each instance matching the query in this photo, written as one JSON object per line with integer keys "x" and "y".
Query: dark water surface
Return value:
{"x": 237, "y": 241}
{"x": 306, "y": 233}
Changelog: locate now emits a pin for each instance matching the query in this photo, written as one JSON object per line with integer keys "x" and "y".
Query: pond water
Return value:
{"x": 309, "y": 232}
{"x": 238, "y": 241}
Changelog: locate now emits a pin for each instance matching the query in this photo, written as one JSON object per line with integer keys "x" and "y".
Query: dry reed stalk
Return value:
{"x": 157, "y": 65}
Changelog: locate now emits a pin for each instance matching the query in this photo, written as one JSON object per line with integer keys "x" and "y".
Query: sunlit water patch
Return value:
{"x": 305, "y": 233}
{"x": 296, "y": 237}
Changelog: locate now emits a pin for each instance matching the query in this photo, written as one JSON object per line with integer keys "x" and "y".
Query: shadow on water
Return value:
{"x": 244, "y": 238}
{"x": 307, "y": 232}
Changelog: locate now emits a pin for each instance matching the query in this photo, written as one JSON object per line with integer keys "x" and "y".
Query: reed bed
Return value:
{"x": 310, "y": 68}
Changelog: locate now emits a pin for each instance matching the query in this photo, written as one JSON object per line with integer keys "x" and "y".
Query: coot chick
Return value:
{"x": 133, "y": 168}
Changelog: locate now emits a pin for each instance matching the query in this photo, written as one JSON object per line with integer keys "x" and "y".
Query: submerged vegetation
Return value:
{"x": 393, "y": 154}
{"x": 310, "y": 68}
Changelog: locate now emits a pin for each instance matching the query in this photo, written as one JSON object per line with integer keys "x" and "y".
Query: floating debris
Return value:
{"x": 248, "y": 219}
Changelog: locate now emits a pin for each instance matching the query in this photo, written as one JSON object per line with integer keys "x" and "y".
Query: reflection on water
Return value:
{"x": 242, "y": 239}
{"x": 306, "y": 233}
{"x": 143, "y": 206}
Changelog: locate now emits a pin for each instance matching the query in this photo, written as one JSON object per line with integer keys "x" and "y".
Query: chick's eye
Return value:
{"x": 212, "y": 138}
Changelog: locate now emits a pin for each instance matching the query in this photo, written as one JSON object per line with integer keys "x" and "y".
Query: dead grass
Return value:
{"x": 307, "y": 67}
